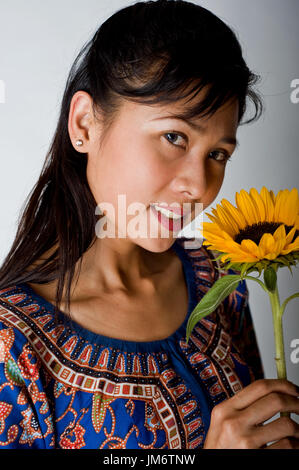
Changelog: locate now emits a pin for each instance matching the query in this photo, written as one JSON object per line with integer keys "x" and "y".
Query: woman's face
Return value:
{"x": 148, "y": 156}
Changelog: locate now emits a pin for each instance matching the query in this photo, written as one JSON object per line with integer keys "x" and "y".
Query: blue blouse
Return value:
{"x": 63, "y": 386}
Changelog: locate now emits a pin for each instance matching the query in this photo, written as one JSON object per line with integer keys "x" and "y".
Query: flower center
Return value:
{"x": 255, "y": 232}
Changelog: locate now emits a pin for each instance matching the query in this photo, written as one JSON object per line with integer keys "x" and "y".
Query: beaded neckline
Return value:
{"x": 146, "y": 346}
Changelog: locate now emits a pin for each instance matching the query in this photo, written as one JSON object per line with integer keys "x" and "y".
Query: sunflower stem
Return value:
{"x": 252, "y": 278}
{"x": 283, "y": 306}
{"x": 278, "y": 337}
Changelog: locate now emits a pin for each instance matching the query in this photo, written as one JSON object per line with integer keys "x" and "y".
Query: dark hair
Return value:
{"x": 150, "y": 52}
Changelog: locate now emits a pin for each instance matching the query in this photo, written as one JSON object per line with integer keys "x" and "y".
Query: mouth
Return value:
{"x": 169, "y": 219}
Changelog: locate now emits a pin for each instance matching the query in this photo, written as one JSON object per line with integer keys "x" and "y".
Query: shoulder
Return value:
{"x": 205, "y": 267}
{"x": 197, "y": 254}
{"x": 207, "y": 270}
{"x": 14, "y": 340}
{"x": 22, "y": 395}
{"x": 20, "y": 345}
{"x": 201, "y": 255}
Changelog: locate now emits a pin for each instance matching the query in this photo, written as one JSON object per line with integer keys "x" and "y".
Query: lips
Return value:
{"x": 175, "y": 210}
{"x": 169, "y": 223}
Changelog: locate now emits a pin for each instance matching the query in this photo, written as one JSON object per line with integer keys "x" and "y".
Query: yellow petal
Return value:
{"x": 262, "y": 246}
{"x": 213, "y": 230}
{"x": 235, "y": 213}
{"x": 280, "y": 239}
{"x": 290, "y": 210}
{"x": 259, "y": 204}
{"x": 267, "y": 244}
{"x": 292, "y": 247}
{"x": 280, "y": 205}
{"x": 290, "y": 235}
{"x": 243, "y": 258}
{"x": 271, "y": 256}
{"x": 240, "y": 256}
{"x": 246, "y": 206}
{"x": 268, "y": 202}
{"x": 211, "y": 227}
{"x": 217, "y": 219}
{"x": 280, "y": 233}
{"x": 232, "y": 246}
{"x": 227, "y": 222}
{"x": 250, "y": 247}
{"x": 212, "y": 218}
{"x": 273, "y": 197}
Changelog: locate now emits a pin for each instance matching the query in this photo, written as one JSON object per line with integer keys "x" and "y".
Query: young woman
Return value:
{"x": 93, "y": 328}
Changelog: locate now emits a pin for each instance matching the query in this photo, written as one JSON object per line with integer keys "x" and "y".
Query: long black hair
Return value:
{"x": 150, "y": 52}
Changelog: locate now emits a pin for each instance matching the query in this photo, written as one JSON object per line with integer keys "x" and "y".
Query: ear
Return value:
{"x": 81, "y": 122}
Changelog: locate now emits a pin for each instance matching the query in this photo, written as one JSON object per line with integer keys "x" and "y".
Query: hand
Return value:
{"x": 237, "y": 423}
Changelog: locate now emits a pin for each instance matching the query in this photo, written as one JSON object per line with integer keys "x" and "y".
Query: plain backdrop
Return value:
{"x": 39, "y": 41}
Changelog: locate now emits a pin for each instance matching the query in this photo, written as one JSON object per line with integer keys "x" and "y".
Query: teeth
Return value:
{"x": 167, "y": 213}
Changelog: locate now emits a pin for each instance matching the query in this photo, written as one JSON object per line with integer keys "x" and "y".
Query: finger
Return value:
{"x": 287, "y": 443}
{"x": 267, "y": 406}
{"x": 260, "y": 388}
{"x": 277, "y": 430}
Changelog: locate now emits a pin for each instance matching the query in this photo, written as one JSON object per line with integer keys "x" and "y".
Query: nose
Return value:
{"x": 192, "y": 181}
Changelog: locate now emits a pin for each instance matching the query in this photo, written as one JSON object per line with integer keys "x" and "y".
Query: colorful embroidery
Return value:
{"x": 64, "y": 387}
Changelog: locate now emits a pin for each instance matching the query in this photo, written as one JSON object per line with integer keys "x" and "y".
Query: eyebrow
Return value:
{"x": 198, "y": 128}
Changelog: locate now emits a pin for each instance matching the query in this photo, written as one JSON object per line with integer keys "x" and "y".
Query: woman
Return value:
{"x": 93, "y": 327}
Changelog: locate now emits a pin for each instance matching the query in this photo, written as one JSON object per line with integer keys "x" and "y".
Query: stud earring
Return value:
{"x": 79, "y": 142}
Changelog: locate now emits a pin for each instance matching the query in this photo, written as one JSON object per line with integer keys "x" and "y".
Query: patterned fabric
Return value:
{"x": 62, "y": 386}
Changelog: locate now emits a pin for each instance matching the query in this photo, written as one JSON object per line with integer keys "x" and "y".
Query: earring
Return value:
{"x": 79, "y": 142}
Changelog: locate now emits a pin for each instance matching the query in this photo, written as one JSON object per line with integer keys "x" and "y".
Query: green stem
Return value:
{"x": 283, "y": 306}
{"x": 278, "y": 337}
{"x": 252, "y": 278}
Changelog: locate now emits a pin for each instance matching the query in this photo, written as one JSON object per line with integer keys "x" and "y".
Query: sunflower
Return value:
{"x": 262, "y": 229}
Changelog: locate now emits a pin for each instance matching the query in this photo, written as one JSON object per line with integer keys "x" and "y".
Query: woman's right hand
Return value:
{"x": 237, "y": 423}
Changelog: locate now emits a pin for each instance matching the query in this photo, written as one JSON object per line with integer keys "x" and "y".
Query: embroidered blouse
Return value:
{"x": 63, "y": 386}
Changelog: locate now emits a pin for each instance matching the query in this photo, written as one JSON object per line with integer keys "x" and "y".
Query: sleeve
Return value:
{"x": 247, "y": 344}
{"x": 243, "y": 332}
{"x": 22, "y": 423}
{"x": 234, "y": 312}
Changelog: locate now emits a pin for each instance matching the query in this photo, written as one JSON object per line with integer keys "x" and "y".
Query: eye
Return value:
{"x": 172, "y": 138}
{"x": 220, "y": 156}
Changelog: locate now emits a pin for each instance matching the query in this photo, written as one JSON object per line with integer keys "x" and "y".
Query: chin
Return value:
{"x": 156, "y": 245}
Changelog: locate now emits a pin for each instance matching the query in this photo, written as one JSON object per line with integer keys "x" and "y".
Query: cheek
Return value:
{"x": 134, "y": 170}
{"x": 214, "y": 188}
{"x": 144, "y": 179}
{"x": 218, "y": 182}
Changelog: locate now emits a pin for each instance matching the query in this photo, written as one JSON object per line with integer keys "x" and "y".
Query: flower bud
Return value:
{"x": 270, "y": 278}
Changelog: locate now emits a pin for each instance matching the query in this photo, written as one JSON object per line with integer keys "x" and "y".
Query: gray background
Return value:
{"x": 38, "y": 43}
